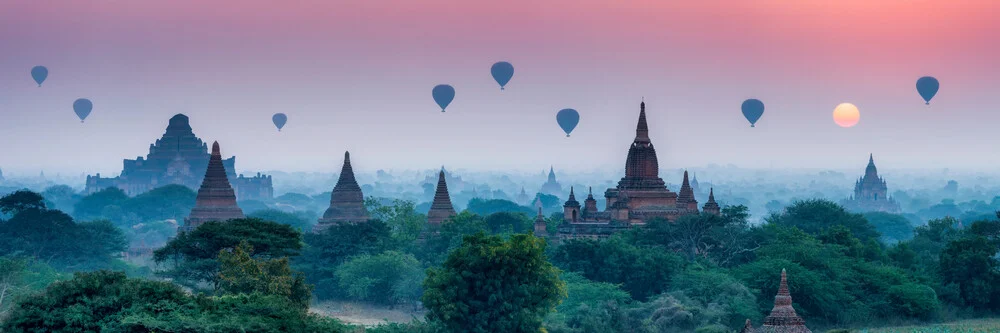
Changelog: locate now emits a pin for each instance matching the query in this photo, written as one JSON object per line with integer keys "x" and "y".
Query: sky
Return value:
{"x": 357, "y": 75}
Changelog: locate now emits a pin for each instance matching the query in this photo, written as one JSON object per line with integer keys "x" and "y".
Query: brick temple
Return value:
{"x": 551, "y": 185}
{"x": 178, "y": 158}
{"x": 347, "y": 203}
{"x": 871, "y": 193}
{"x": 216, "y": 200}
{"x": 640, "y": 196}
{"x": 783, "y": 318}
{"x": 441, "y": 208}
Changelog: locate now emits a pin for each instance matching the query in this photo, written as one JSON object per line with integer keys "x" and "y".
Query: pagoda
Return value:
{"x": 176, "y": 158}
{"x": 347, "y": 203}
{"x": 551, "y": 186}
{"x": 441, "y": 208}
{"x": 216, "y": 200}
{"x": 711, "y": 206}
{"x": 783, "y": 318}
{"x": 640, "y": 196}
{"x": 871, "y": 193}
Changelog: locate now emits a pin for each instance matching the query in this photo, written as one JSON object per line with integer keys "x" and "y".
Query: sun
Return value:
{"x": 846, "y": 115}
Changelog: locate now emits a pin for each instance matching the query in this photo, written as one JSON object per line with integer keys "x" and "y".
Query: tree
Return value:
{"x": 19, "y": 201}
{"x": 449, "y": 237}
{"x": 191, "y": 256}
{"x": 300, "y": 220}
{"x": 334, "y": 245}
{"x": 162, "y": 203}
{"x": 970, "y": 263}
{"x": 106, "y": 301}
{"x": 387, "y": 278}
{"x": 402, "y": 218}
{"x": 240, "y": 273}
{"x": 52, "y": 236}
{"x": 724, "y": 238}
{"x": 814, "y": 216}
{"x": 491, "y": 206}
{"x": 61, "y": 197}
{"x": 96, "y": 206}
{"x": 894, "y": 228}
{"x": 508, "y": 222}
{"x": 492, "y": 285}
{"x": 643, "y": 271}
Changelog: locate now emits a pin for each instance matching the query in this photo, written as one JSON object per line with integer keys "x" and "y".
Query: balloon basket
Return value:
{"x": 752, "y": 126}
{"x": 567, "y": 135}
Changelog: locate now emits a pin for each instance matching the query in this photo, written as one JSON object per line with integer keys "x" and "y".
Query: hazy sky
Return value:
{"x": 358, "y": 75}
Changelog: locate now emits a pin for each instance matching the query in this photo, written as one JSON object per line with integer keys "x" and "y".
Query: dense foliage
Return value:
{"x": 493, "y": 285}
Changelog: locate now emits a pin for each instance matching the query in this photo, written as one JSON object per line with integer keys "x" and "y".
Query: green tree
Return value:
{"x": 61, "y": 197}
{"x": 326, "y": 250}
{"x": 402, "y": 218}
{"x": 492, "y": 285}
{"x": 19, "y": 201}
{"x": 111, "y": 302}
{"x": 387, "y": 278}
{"x": 190, "y": 258}
{"x": 300, "y": 220}
{"x": 53, "y": 236}
{"x": 162, "y": 203}
{"x": 486, "y": 207}
{"x": 970, "y": 263}
{"x": 98, "y": 205}
{"x": 815, "y": 216}
{"x": 894, "y": 228}
{"x": 240, "y": 273}
{"x": 643, "y": 271}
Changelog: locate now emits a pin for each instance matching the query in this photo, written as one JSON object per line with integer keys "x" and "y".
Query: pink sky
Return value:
{"x": 357, "y": 75}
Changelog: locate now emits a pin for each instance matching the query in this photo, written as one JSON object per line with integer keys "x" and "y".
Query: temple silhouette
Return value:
{"x": 178, "y": 157}
{"x": 216, "y": 200}
{"x": 640, "y": 196}
{"x": 871, "y": 193}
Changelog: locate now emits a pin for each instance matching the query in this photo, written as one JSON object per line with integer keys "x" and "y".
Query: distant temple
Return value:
{"x": 552, "y": 186}
{"x": 871, "y": 193}
{"x": 178, "y": 158}
{"x": 694, "y": 183}
{"x": 783, "y": 318}
{"x": 347, "y": 203}
{"x": 441, "y": 208}
{"x": 522, "y": 198}
{"x": 640, "y": 196}
{"x": 216, "y": 200}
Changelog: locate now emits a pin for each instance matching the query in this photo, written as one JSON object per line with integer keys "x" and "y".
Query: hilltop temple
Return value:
{"x": 441, "y": 208}
{"x": 783, "y": 318}
{"x": 551, "y": 186}
{"x": 640, "y": 196}
{"x": 178, "y": 158}
{"x": 871, "y": 193}
{"x": 216, "y": 200}
{"x": 347, "y": 203}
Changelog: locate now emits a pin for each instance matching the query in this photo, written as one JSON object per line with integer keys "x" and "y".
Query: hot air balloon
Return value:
{"x": 927, "y": 86}
{"x": 502, "y": 72}
{"x": 443, "y": 95}
{"x": 82, "y": 107}
{"x": 279, "y": 120}
{"x": 752, "y": 110}
{"x": 39, "y": 73}
{"x": 567, "y": 119}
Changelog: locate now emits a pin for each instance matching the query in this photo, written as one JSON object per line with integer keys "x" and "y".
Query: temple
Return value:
{"x": 783, "y": 318}
{"x": 177, "y": 158}
{"x": 551, "y": 186}
{"x": 871, "y": 193}
{"x": 347, "y": 203}
{"x": 640, "y": 196}
{"x": 522, "y": 198}
{"x": 216, "y": 200}
{"x": 441, "y": 208}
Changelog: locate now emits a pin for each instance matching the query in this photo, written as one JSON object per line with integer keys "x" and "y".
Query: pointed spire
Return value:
{"x": 748, "y": 327}
{"x": 783, "y": 317}
{"x": 571, "y": 202}
{"x": 641, "y": 129}
{"x": 686, "y": 194}
{"x": 783, "y": 286}
{"x": 346, "y": 199}
{"x": 216, "y": 199}
{"x": 441, "y": 208}
{"x": 571, "y": 195}
{"x": 711, "y": 195}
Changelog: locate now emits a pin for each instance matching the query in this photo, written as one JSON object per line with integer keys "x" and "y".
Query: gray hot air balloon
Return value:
{"x": 82, "y": 107}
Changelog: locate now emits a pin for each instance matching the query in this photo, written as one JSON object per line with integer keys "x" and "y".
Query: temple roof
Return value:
{"x": 571, "y": 202}
{"x": 783, "y": 317}
{"x": 216, "y": 200}
{"x": 641, "y": 166}
{"x": 441, "y": 208}
{"x": 346, "y": 200}
{"x": 687, "y": 193}
{"x": 711, "y": 204}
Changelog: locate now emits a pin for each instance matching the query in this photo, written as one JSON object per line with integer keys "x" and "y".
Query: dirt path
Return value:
{"x": 366, "y": 314}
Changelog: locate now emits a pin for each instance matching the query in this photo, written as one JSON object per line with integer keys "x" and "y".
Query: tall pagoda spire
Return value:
{"x": 641, "y": 129}
{"x": 346, "y": 201}
{"x": 540, "y": 226}
{"x": 783, "y": 317}
{"x": 711, "y": 206}
{"x": 686, "y": 194}
{"x": 216, "y": 200}
{"x": 441, "y": 208}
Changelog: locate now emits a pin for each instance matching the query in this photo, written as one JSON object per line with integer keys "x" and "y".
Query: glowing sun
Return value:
{"x": 846, "y": 115}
